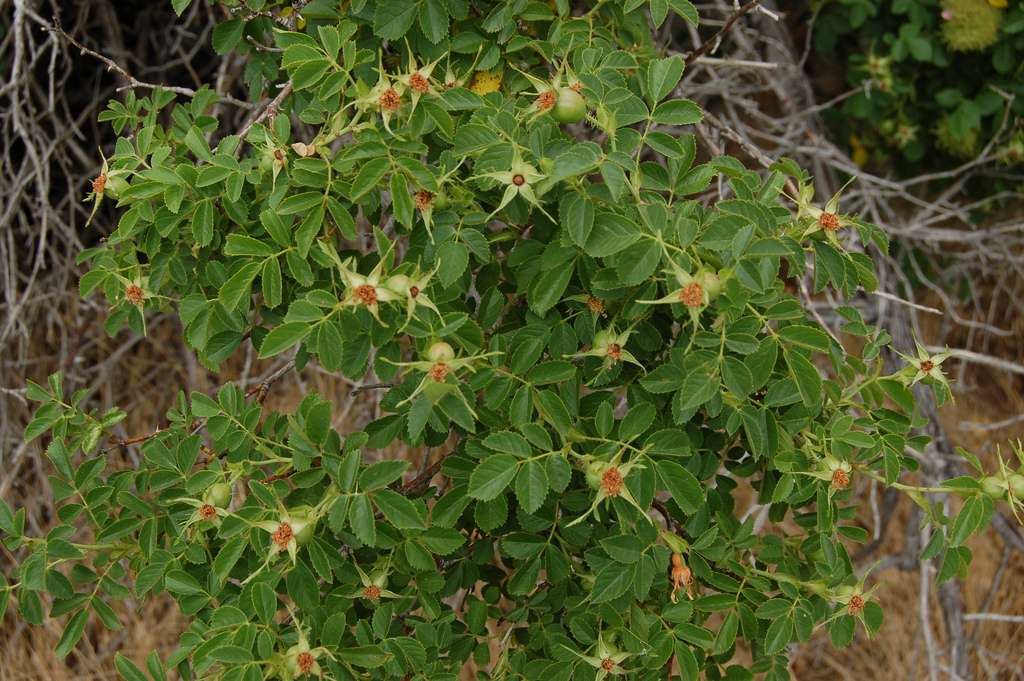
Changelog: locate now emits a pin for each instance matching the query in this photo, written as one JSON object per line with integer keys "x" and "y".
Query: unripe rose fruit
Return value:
{"x": 570, "y": 107}
{"x": 304, "y": 514}
{"x": 993, "y": 486}
{"x": 219, "y": 494}
{"x": 440, "y": 352}
{"x": 711, "y": 282}
{"x": 602, "y": 339}
{"x": 594, "y": 471}
{"x": 115, "y": 185}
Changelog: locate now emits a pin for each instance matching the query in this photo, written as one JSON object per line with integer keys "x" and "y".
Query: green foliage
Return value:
{"x": 607, "y": 348}
{"x": 939, "y": 80}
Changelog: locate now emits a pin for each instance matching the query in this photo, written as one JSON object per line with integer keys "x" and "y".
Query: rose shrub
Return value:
{"x": 646, "y": 453}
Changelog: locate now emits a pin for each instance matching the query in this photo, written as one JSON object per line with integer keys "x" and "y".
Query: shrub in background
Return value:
{"x": 601, "y": 362}
{"x": 939, "y": 79}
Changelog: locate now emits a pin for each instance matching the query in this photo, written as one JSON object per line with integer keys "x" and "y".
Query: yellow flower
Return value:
{"x": 998, "y": 4}
{"x": 485, "y": 82}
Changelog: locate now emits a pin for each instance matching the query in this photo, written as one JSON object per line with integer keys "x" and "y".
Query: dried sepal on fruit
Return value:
{"x": 682, "y": 577}
{"x": 417, "y": 80}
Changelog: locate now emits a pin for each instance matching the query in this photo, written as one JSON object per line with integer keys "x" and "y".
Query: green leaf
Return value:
{"x": 419, "y": 414}
{"x": 697, "y": 389}
{"x": 492, "y": 476}
{"x": 686, "y": 10}
{"x": 270, "y": 276}
{"x": 72, "y": 633}
{"x": 227, "y": 556}
{"x": 576, "y": 215}
{"x": 181, "y": 582}
{"x": 662, "y": 77}
{"x": 774, "y": 609}
{"x": 806, "y": 337}
{"x": 507, "y": 442}
{"x": 682, "y": 485}
{"x": 555, "y": 371}
{"x": 780, "y": 632}
{"x": 202, "y": 223}
{"x": 531, "y": 486}
{"x": 398, "y": 510}
{"x": 239, "y": 286}
{"x": 967, "y": 521}
{"x": 283, "y": 337}
{"x": 677, "y": 112}
{"x": 442, "y": 540}
{"x": 394, "y": 18}
{"x": 231, "y": 655}
{"x": 611, "y": 233}
{"x": 368, "y": 657}
{"x": 227, "y": 35}
{"x": 578, "y": 159}
{"x": 312, "y": 223}
{"x": 637, "y": 420}
{"x": 242, "y": 244}
{"x": 659, "y": 12}
{"x": 637, "y": 263}
{"x": 548, "y": 288}
{"x": 611, "y": 582}
{"x": 806, "y": 376}
{"x": 382, "y": 474}
{"x": 665, "y": 379}
{"x": 360, "y": 516}
{"x": 434, "y": 20}
{"x": 264, "y": 601}
{"x": 623, "y": 548}
{"x": 554, "y": 411}
{"x": 370, "y": 173}
{"x": 401, "y": 200}
{"x": 300, "y": 203}
{"x": 842, "y": 630}
{"x": 453, "y": 258}
{"x": 127, "y": 669}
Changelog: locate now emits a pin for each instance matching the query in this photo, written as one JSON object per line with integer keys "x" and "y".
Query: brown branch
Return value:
{"x": 131, "y": 81}
{"x": 712, "y": 43}
{"x": 420, "y": 482}
{"x": 370, "y": 386}
{"x": 270, "y": 110}
{"x": 260, "y": 391}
